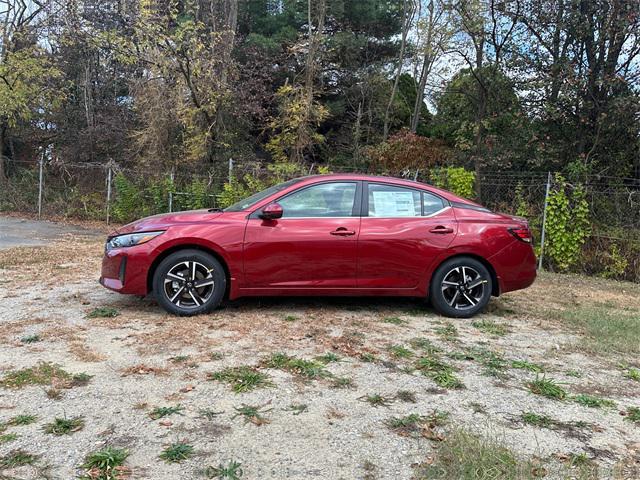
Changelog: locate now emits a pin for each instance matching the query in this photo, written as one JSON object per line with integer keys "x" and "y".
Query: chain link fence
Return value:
{"x": 112, "y": 193}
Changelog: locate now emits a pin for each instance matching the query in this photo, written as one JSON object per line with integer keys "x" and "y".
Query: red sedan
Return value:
{"x": 326, "y": 235}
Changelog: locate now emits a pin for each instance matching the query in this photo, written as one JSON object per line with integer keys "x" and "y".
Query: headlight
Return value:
{"x": 130, "y": 239}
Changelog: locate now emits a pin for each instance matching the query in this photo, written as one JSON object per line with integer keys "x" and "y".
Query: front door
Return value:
{"x": 402, "y": 232}
{"x": 313, "y": 245}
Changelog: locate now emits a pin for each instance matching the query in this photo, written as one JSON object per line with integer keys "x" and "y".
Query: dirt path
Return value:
{"x": 17, "y": 232}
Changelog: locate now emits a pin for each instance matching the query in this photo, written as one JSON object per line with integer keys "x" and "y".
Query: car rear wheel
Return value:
{"x": 189, "y": 282}
{"x": 461, "y": 287}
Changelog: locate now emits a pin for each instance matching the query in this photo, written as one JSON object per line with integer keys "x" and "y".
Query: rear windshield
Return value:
{"x": 257, "y": 197}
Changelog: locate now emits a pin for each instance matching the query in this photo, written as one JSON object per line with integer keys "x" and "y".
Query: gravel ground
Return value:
{"x": 142, "y": 359}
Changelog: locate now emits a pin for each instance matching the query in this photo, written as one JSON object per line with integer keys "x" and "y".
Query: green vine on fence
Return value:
{"x": 567, "y": 224}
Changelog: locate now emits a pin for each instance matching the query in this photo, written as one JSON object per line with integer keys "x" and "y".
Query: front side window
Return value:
{"x": 391, "y": 201}
{"x": 334, "y": 199}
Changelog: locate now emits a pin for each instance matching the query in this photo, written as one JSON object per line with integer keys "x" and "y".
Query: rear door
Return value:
{"x": 402, "y": 231}
{"x": 313, "y": 245}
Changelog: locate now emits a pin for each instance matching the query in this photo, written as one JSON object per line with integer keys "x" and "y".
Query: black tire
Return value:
{"x": 453, "y": 295}
{"x": 178, "y": 293}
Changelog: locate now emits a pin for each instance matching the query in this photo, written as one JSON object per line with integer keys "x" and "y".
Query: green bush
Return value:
{"x": 455, "y": 179}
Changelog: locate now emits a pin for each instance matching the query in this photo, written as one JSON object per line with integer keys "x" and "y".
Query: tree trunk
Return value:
{"x": 3, "y": 174}
{"x": 417, "y": 107}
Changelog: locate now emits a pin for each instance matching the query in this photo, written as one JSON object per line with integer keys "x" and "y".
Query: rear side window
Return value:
{"x": 334, "y": 199}
{"x": 431, "y": 203}
{"x": 392, "y": 201}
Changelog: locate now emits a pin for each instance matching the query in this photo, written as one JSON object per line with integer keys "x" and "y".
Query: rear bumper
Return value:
{"x": 515, "y": 266}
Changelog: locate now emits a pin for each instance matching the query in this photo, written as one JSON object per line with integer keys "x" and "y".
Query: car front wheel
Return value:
{"x": 189, "y": 282}
{"x": 461, "y": 287}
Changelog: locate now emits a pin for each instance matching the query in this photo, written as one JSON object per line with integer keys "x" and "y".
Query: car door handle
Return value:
{"x": 343, "y": 232}
{"x": 441, "y": 229}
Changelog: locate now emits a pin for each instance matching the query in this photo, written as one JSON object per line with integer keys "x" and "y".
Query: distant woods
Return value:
{"x": 484, "y": 84}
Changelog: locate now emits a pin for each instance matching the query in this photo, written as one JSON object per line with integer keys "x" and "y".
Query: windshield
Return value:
{"x": 257, "y": 197}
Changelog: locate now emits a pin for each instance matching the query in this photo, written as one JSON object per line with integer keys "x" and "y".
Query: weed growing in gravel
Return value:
{"x": 8, "y": 437}
{"x": 17, "y": 458}
{"x": 80, "y": 379}
{"x": 103, "y": 312}
{"x": 399, "y": 351}
{"x": 377, "y": 400}
{"x": 20, "y": 420}
{"x": 529, "y": 366}
{"x": 290, "y": 318}
{"x": 297, "y": 366}
{"x": 342, "y": 382}
{"x": 216, "y": 355}
{"x": 328, "y": 357}
{"x": 242, "y": 379}
{"x": 477, "y": 407}
{"x": 252, "y": 414}
{"x": 297, "y": 409}
{"x": 161, "y": 412}
{"x": 208, "y": 413}
{"x": 414, "y": 424}
{"x": 547, "y": 387}
{"x": 180, "y": 358}
{"x": 406, "y": 396}
{"x": 448, "y": 332}
{"x": 633, "y": 414}
{"x": 232, "y": 471}
{"x": 463, "y": 455}
{"x": 493, "y": 362}
{"x": 64, "y": 426}
{"x": 537, "y": 420}
{"x": 425, "y": 345}
{"x": 395, "y": 321}
{"x": 106, "y": 464}
{"x": 177, "y": 452}
{"x": 632, "y": 374}
{"x": 573, "y": 373}
{"x": 492, "y": 328}
{"x": 593, "y": 401}
{"x": 41, "y": 374}
{"x": 31, "y": 338}
{"x": 368, "y": 357}
{"x": 440, "y": 372}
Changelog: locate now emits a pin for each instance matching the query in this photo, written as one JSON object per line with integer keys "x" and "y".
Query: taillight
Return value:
{"x": 521, "y": 233}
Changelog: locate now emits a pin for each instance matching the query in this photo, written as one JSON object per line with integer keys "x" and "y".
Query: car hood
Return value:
{"x": 166, "y": 220}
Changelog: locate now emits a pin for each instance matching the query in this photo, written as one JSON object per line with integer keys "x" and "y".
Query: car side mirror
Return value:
{"x": 272, "y": 211}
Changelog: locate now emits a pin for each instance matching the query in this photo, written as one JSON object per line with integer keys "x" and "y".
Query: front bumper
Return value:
{"x": 125, "y": 270}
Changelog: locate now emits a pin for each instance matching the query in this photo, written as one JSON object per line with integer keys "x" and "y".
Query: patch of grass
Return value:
{"x": 447, "y": 331}
{"x": 103, "y": 312}
{"x": 64, "y": 426}
{"x": 547, "y": 387}
{"x": 573, "y": 373}
{"x": 31, "y": 338}
{"x": 400, "y": 351}
{"x": 440, "y": 372}
{"x": 41, "y": 374}
{"x": 377, "y": 400}
{"x": 8, "y": 437}
{"x": 252, "y": 414}
{"x": 180, "y": 358}
{"x": 526, "y": 365}
{"x": 592, "y": 401}
{"x": 161, "y": 412}
{"x": 21, "y": 420}
{"x": 368, "y": 357}
{"x": 537, "y": 420}
{"x": 177, "y": 452}
{"x": 425, "y": 345}
{"x": 605, "y": 329}
{"x": 290, "y": 318}
{"x": 208, "y": 413}
{"x": 463, "y": 455}
{"x": 632, "y": 374}
{"x": 106, "y": 464}
{"x": 328, "y": 357}
{"x": 493, "y": 362}
{"x": 298, "y": 366}
{"x": 232, "y": 471}
{"x": 633, "y": 414}
{"x": 406, "y": 396}
{"x": 242, "y": 379}
{"x": 216, "y": 355}
{"x": 492, "y": 328}
{"x": 418, "y": 425}
{"x": 80, "y": 379}
{"x": 17, "y": 458}
{"x": 342, "y": 382}
{"x": 297, "y": 409}
{"x": 395, "y": 321}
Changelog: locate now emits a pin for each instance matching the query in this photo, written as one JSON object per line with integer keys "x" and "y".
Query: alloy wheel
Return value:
{"x": 189, "y": 284}
{"x": 463, "y": 288}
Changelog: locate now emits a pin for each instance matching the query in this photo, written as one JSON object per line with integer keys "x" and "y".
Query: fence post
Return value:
{"x": 40, "y": 185}
{"x": 171, "y": 190}
{"x": 230, "y": 170}
{"x": 109, "y": 173}
{"x": 415, "y": 177}
{"x": 544, "y": 220}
